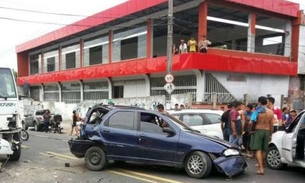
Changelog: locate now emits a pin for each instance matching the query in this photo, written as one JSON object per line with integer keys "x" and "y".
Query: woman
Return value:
{"x": 46, "y": 120}
{"x": 75, "y": 118}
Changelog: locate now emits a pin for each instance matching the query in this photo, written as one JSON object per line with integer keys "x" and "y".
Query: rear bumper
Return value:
{"x": 79, "y": 147}
{"x": 232, "y": 165}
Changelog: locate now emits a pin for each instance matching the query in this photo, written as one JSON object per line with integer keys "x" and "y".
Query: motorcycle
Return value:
{"x": 56, "y": 124}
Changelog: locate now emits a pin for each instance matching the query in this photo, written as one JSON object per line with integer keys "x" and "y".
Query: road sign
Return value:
{"x": 169, "y": 78}
{"x": 169, "y": 87}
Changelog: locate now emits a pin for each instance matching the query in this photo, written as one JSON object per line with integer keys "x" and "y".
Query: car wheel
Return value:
{"x": 274, "y": 159}
{"x": 36, "y": 127}
{"x": 198, "y": 165}
{"x": 95, "y": 158}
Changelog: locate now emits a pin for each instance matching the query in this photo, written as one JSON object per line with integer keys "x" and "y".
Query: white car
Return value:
{"x": 204, "y": 120}
{"x": 287, "y": 147}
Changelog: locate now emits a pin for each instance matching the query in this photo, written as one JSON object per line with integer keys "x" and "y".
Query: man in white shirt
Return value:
{"x": 182, "y": 47}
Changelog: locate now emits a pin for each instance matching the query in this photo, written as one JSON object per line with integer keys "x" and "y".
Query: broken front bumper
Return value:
{"x": 231, "y": 165}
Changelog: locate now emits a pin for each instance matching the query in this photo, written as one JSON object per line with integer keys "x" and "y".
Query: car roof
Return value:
{"x": 111, "y": 107}
{"x": 183, "y": 111}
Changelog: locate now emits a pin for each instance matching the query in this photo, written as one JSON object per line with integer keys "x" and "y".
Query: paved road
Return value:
{"x": 44, "y": 156}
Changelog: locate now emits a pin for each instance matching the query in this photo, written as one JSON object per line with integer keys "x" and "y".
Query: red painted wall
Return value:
{"x": 207, "y": 62}
{"x": 22, "y": 64}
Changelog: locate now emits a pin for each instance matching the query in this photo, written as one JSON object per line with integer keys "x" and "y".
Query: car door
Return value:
{"x": 153, "y": 144}
{"x": 119, "y": 135}
{"x": 289, "y": 141}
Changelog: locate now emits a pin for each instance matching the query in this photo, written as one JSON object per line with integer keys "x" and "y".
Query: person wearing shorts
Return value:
{"x": 262, "y": 135}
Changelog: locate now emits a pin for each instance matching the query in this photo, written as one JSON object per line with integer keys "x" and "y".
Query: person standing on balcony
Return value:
{"x": 203, "y": 45}
{"x": 182, "y": 47}
{"x": 192, "y": 43}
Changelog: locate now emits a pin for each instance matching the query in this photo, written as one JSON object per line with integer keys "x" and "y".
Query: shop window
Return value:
{"x": 70, "y": 57}
{"x": 50, "y": 61}
{"x": 96, "y": 51}
{"x": 34, "y": 64}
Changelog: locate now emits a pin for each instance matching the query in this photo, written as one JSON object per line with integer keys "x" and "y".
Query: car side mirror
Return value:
{"x": 168, "y": 130}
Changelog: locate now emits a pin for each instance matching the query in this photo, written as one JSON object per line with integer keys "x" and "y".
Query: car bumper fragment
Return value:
{"x": 79, "y": 147}
{"x": 231, "y": 165}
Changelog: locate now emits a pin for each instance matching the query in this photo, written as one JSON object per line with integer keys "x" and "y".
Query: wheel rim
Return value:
{"x": 274, "y": 158}
{"x": 196, "y": 164}
{"x": 23, "y": 135}
{"x": 95, "y": 158}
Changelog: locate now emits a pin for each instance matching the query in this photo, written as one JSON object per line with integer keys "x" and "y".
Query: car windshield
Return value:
{"x": 40, "y": 113}
{"x": 7, "y": 84}
{"x": 179, "y": 123}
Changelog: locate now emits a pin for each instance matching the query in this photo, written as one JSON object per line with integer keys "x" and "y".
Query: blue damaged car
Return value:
{"x": 123, "y": 133}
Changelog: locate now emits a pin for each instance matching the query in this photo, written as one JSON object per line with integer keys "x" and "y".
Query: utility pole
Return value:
{"x": 169, "y": 78}
{"x": 170, "y": 37}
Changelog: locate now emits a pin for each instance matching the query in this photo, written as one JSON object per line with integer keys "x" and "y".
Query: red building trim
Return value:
{"x": 253, "y": 23}
{"x": 202, "y": 20}
{"x": 59, "y": 58}
{"x": 190, "y": 61}
{"x": 277, "y": 6}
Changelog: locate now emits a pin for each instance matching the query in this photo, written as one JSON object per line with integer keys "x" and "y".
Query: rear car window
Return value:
{"x": 214, "y": 118}
{"x": 40, "y": 113}
{"x": 122, "y": 120}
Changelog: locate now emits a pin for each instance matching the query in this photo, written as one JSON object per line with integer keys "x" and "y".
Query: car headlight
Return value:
{"x": 231, "y": 152}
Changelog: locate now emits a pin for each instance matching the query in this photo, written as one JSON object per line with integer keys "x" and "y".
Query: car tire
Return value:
{"x": 198, "y": 165}
{"x": 274, "y": 159}
{"x": 37, "y": 127}
{"x": 95, "y": 158}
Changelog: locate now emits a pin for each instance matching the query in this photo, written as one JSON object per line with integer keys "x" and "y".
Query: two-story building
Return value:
{"x": 121, "y": 52}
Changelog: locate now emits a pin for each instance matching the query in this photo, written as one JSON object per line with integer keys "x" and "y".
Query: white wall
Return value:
{"x": 255, "y": 85}
{"x": 301, "y": 57}
{"x": 134, "y": 88}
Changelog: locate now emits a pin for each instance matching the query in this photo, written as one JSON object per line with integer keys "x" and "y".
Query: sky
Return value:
{"x": 15, "y": 32}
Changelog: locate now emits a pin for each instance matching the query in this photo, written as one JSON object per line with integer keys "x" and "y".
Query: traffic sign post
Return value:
{"x": 169, "y": 78}
{"x": 169, "y": 87}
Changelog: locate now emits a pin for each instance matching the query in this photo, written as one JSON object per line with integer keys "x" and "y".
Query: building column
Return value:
{"x": 149, "y": 39}
{"x": 147, "y": 85}
{"x": 200, "y": 85}
{"x": 41, "y": 93}
{"x": 109, "y": 88}
{"x": 295, "y": 37}
{"x": 59, "y": 58}
{"x": 110, "y": 38}
{"x": 42, "y": 64}
{"x": 81, "y": 53}
{"x": 251, "y": 32}
{"x": 59, "y": 92}
{"x": 202, "y": 20}
{"x": 81, "y": 90}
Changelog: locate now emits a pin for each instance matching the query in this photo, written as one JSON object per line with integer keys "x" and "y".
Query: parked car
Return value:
{"x": 123, "y": 133}
{"x": 287, "y": 147}
{"x": 36, "y": 119}
{"x": 204, "y": 120}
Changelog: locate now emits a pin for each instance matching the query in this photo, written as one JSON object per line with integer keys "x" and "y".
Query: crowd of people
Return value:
{"x": 192, "y": 46}
{"x": 252, "y": 127}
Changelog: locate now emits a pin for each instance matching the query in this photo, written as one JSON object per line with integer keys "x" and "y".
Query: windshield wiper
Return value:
{"x": 5, "y": 98}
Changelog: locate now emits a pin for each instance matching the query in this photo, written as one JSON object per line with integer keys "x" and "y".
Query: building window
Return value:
{"x": 129, "y": 44}
{"x": 34, "y": 64}
{"x": 70, "y": 57}
{"x": 51, "y": 61}
{"x": 51, "y": 93}
{"x": 96, "y": 90}
{"x": 71, "y": 93}
{"x": 70, "y": 60}
{"x": 96, "y": 51}
{"x": 51, "y": 64}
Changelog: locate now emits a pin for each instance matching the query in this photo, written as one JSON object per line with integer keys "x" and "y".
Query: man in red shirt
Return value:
{"x": 278, "y": 119}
